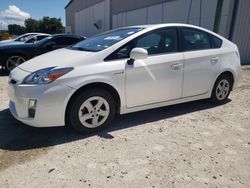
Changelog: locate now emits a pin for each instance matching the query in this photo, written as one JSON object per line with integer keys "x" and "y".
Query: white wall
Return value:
{"x": 85, "y": 19}
{"x": 68, "y": 29}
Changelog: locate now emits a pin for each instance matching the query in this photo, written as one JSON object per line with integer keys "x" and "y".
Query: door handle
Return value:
{"x": 214, "y": 60}
{"x": 176, "y": 66}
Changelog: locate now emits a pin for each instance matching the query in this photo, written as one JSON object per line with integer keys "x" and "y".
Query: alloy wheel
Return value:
{"x": 94, "y": 112}
{"x": 13, "y": 62}
{"x": 222, "y": 89}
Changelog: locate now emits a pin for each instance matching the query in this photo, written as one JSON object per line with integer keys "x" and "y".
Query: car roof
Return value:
{"x": 156, "y": 26}
{"x": 35, "y": 34}
{"x": 41, "y": 35}
{"x": 66, "y": 35}
{"x": 164, "y": 25}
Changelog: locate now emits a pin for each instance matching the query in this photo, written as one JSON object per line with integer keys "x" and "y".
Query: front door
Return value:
{"x": 159, "y": 77}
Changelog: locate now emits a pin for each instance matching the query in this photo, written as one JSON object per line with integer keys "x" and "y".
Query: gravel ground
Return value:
{"x": 191, "y": 145}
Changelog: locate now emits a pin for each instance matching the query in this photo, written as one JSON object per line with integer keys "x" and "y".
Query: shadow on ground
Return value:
{"x": 15, "y": 136}
{"x": 2, "y": 72}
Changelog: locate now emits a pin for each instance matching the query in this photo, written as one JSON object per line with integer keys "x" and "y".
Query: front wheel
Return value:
{"x": 13, "y": 61}
{"x": 91, "y": 110}
{"x": 222, "y": 89}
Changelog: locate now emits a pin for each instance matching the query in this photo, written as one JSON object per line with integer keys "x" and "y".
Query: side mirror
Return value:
{"x": 136, "y": 54}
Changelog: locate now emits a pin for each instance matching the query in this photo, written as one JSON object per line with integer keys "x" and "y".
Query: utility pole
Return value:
{"x": 218, "y": 16}
{"x": 110, "y": 14}
{"x": 189, "y": 10}
{"x": 200, "y": 12}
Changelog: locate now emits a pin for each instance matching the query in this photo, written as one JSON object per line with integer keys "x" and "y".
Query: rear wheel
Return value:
{"x": 222, "y": 89}
{"x": 91, "y": 110}
{"x": 13, "y": 61}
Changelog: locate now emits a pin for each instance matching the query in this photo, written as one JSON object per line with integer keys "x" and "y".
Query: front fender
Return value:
{"x": 116, "y": 82}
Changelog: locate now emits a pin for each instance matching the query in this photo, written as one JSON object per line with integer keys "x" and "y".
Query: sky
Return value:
{"x": 16, "y": 11}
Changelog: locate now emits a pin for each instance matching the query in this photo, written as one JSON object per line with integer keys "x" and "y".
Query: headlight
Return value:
{"x": 45, "y": 76}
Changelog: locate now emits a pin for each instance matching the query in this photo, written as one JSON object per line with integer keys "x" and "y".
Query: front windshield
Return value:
{"x": 31, "y": 40}
{"x": 36, "y": 38}
{"x": 24, "y": 37}
{"x": 105, "y": 40}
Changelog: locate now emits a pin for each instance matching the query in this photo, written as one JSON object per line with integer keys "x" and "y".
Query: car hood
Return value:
{"x": 10, "y": 43}
{"x": 4, "y": 41}
{"x": 58, "y": 58}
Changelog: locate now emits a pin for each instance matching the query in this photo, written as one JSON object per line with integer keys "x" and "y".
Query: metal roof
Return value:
{"x": 68, "y": 3}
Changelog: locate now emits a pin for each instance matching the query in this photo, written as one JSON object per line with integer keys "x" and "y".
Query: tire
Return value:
{"x": 13, "y": 61}
{"x": 91, "y": 111}
{"x": 222, "y": 88}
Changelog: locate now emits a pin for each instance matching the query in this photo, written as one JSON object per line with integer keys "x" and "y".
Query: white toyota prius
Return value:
{"x": 122, "y": 71}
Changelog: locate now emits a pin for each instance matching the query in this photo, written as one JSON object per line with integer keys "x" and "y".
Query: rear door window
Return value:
{"x": 194, "y": 39}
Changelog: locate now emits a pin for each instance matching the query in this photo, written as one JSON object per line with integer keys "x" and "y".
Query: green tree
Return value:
{"x": 46, "y": 25}
{"x": 15, "y": 29}
{"x": 31, "y": 25}
{"x": 51, "y": 25}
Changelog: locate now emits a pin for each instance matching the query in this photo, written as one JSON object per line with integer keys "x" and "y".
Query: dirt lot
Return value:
{"x": 191, "y": 145}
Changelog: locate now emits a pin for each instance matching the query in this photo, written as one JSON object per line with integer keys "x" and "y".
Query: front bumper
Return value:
{"x": 51, "y": 103}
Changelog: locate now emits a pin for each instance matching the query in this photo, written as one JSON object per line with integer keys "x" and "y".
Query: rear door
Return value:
{"x": 202, "y": 59}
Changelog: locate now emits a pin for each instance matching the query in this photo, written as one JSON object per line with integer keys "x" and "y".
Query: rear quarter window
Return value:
{"x": 215, "y": 41}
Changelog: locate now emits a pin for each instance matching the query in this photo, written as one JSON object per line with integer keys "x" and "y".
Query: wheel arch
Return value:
{"x": 8, "y": 55}
{"x": 99, "y": 85}
{"x": 228, "y": 72}
{"x": 22, "y": 54}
